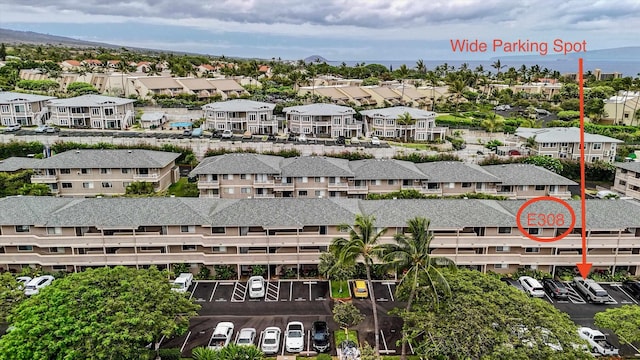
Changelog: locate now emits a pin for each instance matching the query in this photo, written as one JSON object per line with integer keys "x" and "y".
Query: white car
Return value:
{"x": 221, "y": 335}
{"x": 246, "y": 337}
{"x": 294, "y": 337}
{"x": 375, "y": 140}
{"x": 23, "y": 280}
{"x": 531, "y": 286}
{"x": 256, "y": 287}
{"x": 302, "y": 138}
{"x": 37, "y": 283}
{"x": 227, "y": 134}
{"x": 270, "y": 340}
{"x": 46, "y": 129}
{"x": 12, "y": 128}
{"x": 355, "y": 140}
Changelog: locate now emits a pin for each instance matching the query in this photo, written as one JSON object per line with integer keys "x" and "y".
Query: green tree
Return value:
{"x": 331, "y": 269}
{"x": 492, "y": 123}
{"x": 11, "y": 294}
{"x": 229, "y": 352}
{"x": 81, "y": 88}
{"x": 361, "y": 246}
{"x": 405, "y": 119}
{"x": 3, "y": 52}
{"x": 546, "y": 162}
{"x": 457, "y": 89}
{"x": 624, "y": 321}
{"x": 104, "y": 313}
{"x": 412, "y": 255}
{"x": 35, "y": 190}
{"x": 140, "y": 188}
{"x": 486, "y": 319}
{"x": 346, "y": 315}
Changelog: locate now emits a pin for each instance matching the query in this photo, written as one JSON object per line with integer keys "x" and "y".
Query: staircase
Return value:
{"x": 128, "y": 119}
{"x": 39, "y": 116}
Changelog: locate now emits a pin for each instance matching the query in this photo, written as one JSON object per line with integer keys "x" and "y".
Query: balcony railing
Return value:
{"x": 283, "y": 187}
{"x": 208, "y": 184}
{"x": 338, "y": 186}
{"x": 47, "y": 179}
{"x": 146, "y": 177}
{"x": 264, "y": 196}
{"x": 358, "y": 189}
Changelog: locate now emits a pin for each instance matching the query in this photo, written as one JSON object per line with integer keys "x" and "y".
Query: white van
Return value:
{"x": 182, "y": 282}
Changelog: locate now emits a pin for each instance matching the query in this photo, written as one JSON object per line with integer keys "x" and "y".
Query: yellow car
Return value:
{"x": 360, "y": 289}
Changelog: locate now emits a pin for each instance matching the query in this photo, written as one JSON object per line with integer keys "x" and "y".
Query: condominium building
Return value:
{"x": 23, "y": 109}
{"x": 243, "y": 175}
{"x": 323, "y": 120}
{"x": 241, "y": 115}
{"x": 627, "y": 179}
{"x": 99, "y": 172}
{"x": 564, "y": 143}
{"x": 92, "y": 111}
{"x": 421, "y": 126}
{"x": 65, "y": 234}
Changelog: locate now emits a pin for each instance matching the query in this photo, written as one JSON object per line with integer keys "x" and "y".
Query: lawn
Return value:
{"x": 340, "y": 336}
{"x": 335, "y": 290}
{"x": 183, "y": 188}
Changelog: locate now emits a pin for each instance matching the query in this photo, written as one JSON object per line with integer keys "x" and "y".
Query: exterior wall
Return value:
{"x": 95, "y": 117}
{"x": 497, "y": 250}
{"x": 325, "y": 125}
{"x": 23, "y": 113}
{"x": 593, "y": 151}
{"x": 257, "y": 122}
{"x": 627, "y": 183}
{"x": 424, "y": 129}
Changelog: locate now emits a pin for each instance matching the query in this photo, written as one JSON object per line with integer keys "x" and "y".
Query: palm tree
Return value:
{"x": 492, "y": 123}
{"x": 405, "y": 119}
{"x": 498, "y": 65}
{"x": 362, "y": 245}
{"x": 456, "y": 88}
{"x": 403, "y": 72}
{"x": 422, "y": 69}
{"x": 412, "y": 255}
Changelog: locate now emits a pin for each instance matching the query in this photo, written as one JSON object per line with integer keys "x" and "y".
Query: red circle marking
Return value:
{"x": 546, "y": 198}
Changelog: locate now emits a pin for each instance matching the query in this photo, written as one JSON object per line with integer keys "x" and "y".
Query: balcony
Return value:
{"x": 358, "y": 189}
{"x": 262, "y": 183}
{"x": 44, "y": 179}
{"x": 264, "y": 196}
{"x": 208, "y": 184}
{"x": 146, "y": 177}
{"x": 509, "y": 194}
{"x": 417, "y": 187}
{"x": 561, "y": 194}
{"x": 338, "y": 186}
{"x": 283, "y": 187}
{"x": 353, "y": 126}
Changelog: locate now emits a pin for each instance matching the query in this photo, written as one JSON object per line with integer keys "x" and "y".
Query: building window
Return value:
{"x": 622, "y": 182}
{"x": 504, "y": 230}
{"x": 62, "y": 109}
{"x": 533, "y": 231}
{"x": 105, "y": 171}
{"x": 466, "y": 184}
{"x": 502, "y": 249}
{"x": 108, "y": 111}
{"x": 245, "y": 190}
{"x": 229, "y": 190}
{"x": 532, "y": 250}
{"x": 54, "y": 230}
{"x": 319, "y": 193}
{"x": 87, "y": 185}
{"x": 188, "y": 248}
{"x": 67, "y": 185}
{"x": 319, "y": 179}
{"x": 85, "y": 171}
{"x": 391, "y": 182}
{"x": 220, "y": 115}
{"x": 378, "y": 121}
{"x": 56, "y": 250}
{"x": 302, "y": 193}
{"x": 65, "y": 171}
{"x": 5, "y": 109}
{"x": 597, "y": 146}
{"x": 95, "y": 111}
{"x": 188, "y": 228}
{"x": 539, "y": 187}
{"x": 25, "y": 248}
{"x": 595, "y": 158}
{"x": 227, "y": 177}
{"x": 500, "y": 266}
{"x": 23, "y": 228}
{"x": 107, "y": 184}
{"x": 218, "y": 230}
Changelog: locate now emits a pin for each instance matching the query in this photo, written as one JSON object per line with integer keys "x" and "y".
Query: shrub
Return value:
{"x": 170, "y": 354}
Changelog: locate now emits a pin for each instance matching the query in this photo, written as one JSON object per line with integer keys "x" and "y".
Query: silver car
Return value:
{"x": 270, "y": 340}
{"x": 246, "y": 337}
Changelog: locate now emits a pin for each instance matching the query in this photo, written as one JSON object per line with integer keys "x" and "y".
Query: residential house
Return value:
{"x": 91, "y": 63}
{"x": 240, "y": 115}
{"x": 331, "y": 92}
{"x": 621, "y": 109}
{"x": 198, "y": 86}
{"x": 23, "y": 109}
{"x": 323, "y": 120}
{"x": 526, "y": 181}
{"x": 384, "y": 96}
{"x": 412, "y": 97}
{"x": 105, "y": 172}
{"x": 227, "y": 88}
{"x": 627, "y": 179}
{"x": 384, "y": 123}
{"x": 14, "y": 164}
{"x": 358, "y": 96}
{"x": 564, "y": 143}
{"x": 70, "y": 65}
{"x": 205, "y": 69}
{"x": 153, "y": 120}
{"x": 451, "y": 178}
{"x": 149, "y": 86}
{"x": 92, "y": 111}
{"x": 67, "y": 234}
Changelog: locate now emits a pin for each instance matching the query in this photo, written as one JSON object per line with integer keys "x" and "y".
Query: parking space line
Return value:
{"x": 574, "y": 296}
{"x": 185, "y": 341}
{"x": 384, "y": 342}
{"x": 239, "y": 292}
{"x": 630, "y": 344}
{"x": 290, "y": 290}
{"x": 194, "y": 290}
{"x": 272, "y": 292}
{"x": 390, "y": 291}
{"x": 215, "y": 286}
{"x": 624, "y": 292}
{"x": 548, "y": 297}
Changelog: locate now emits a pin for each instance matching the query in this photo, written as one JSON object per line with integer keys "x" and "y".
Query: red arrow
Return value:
{"x": 584, "y": 266}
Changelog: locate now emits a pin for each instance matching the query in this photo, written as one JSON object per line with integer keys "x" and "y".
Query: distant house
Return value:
{"x": 148, "y": 86}
{"x": 564, "y": 143}
{"x": 92, "y": 111}
{"x": 627, "y": 180}
{"x": 91, "y": 62}
{"x": 198, "y": 86}
{"x": 323, "y": 120}
{"x": 384, "y": 95}
{"x": 227, "y": 88}
{"x": 23, "y": 109}
{"x": 70, "y": 65}
{"x": 152, "y": 120}
{"x": 621, "y": 108}
{"x": 241, "y": 115}
{"x": 205, "y": 68}
{"x": 384, "y": 123}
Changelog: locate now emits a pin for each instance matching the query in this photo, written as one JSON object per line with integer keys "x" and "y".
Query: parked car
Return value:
{"x": 375, "y": 141}
{"x": 221, "y": 335}
{"x": 247, "y": 135}
{"x": 186, "y": 133}
{"x": 531, "y": 286}
{"x": 271, "y": 137}
{"x": 256, "y": 287}
{"x": 12, "y": 128}
{"x": 46, "y": 129}
{"x": 320, "y": 336}
{"x": 340, "y": 140}
{"x": 302, "y": 138}
{"x": 556, "y": 288}
{"x": 182, "y": 282}
{"x": 355, "y": 140}
{"x": 270, "y": 340}
{"x": 597, "y": 341}
{"x": 294, "y": 337}
{"x": 633, "y": 287}
{"x": 360, "y": 289}
{"x": 216, "y": 134}
{"x": 591, "y": 290}
{"x": 23, "y": 280}
{"x": 227, "y": 134}
{"x": 246, "y": 337}
{"x": 513, "y": 283}
{"x": 37, "y": 283}
{"x": 291, "y": 137}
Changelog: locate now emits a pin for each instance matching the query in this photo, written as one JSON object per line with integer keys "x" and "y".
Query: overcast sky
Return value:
{"x": 335, "y": 29}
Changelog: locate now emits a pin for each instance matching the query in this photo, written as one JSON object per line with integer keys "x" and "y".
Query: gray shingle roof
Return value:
{"x": 319, "y": 109}
{"x": 562, "y": 134}
{"x": 526, "y": 174}
{"x": 238, "y": 163}
{"x": 18, "y": 163}
{"x": 91, "y": 100}
{"x": 455, "y": 171}
{"x": 384, "y": 169}
{"x": 8, "y": 97}
{"x": 394, "y": 112}
{"x": 315, "y": 166}
{"x": 110, "y": 159}
{"x": 631, "y": 166}
{"x": 294, "y": 212}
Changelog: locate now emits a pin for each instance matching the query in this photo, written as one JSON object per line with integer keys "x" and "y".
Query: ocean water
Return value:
{"x": 627, "y": 68}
